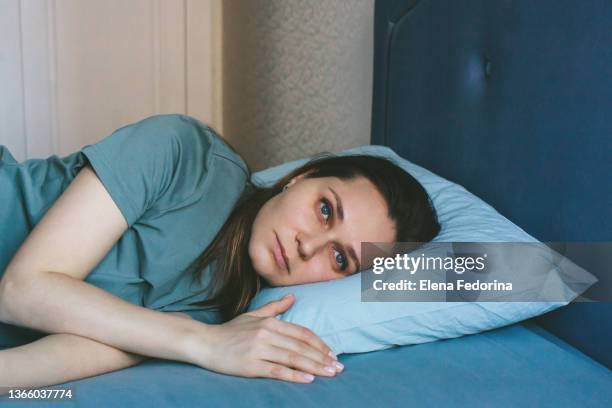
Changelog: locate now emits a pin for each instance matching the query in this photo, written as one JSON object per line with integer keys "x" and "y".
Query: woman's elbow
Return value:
{"x": 15, "y": 297}
{"x": 7, "y": 288}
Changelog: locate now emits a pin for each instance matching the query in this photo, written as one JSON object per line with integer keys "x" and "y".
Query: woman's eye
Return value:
{"x": 341, "y": 260}
{"x": 325, "y": 209}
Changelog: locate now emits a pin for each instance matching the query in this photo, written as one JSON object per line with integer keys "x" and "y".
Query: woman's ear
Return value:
{"x": 299, "y": 177}
{"x": 293, "y": 181}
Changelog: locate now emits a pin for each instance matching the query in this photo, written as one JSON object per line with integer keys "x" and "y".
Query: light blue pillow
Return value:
{"x": 335, "y": 312}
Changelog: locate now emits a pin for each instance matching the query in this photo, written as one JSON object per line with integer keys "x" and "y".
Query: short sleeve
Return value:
{"x": 145, "y": 161}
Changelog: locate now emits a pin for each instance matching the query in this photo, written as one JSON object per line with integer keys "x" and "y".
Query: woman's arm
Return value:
{"x": 59, "y": 358}
{"x": 43, "y": 286}
{"x": 57, "y": 303}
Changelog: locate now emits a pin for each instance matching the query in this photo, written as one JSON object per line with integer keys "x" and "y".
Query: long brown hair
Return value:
{"x": 235, "y": 282}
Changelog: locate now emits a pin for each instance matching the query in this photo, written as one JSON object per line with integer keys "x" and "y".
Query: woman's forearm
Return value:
{"x": 57, "y": 303}
{"x": 58, "y": 358}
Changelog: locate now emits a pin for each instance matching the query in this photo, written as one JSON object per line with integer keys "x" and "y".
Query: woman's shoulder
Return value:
{"x": 198, "y": 135}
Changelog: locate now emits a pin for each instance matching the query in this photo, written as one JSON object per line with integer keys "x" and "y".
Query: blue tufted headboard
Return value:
{"x": 512, "y": 100}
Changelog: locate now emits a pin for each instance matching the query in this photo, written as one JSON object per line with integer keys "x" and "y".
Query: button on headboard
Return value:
{"x": 512, "y": 100}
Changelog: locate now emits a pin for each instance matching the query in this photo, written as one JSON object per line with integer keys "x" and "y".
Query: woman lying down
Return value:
{"x": 153, "y": 242}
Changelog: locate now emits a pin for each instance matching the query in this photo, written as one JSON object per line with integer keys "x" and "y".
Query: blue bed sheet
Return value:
{"x": 518, "y": 365}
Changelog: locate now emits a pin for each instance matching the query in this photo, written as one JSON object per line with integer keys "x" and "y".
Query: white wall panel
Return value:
{"x": 205, "y": 61}
{"x": 171, "y": 49}
{"x": 38, "y": 50}
{"x": 72, "y": 71}
{"x": 105, "y": 67}
{"x": 12, "y": 131}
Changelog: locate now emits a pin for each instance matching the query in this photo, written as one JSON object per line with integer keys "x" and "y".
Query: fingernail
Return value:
{"x": 289, "y": 295}
{"x": 331, "y": 370}
{"x": 339, "y": 366}
{"x": 309, "y": 377}
{"x": 332, "y": 355}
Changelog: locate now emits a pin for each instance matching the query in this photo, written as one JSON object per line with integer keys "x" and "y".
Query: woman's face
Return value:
{"x": 316, "y": 236}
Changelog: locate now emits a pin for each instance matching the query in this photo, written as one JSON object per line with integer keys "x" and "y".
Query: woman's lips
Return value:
{"x": 279, "y": 254}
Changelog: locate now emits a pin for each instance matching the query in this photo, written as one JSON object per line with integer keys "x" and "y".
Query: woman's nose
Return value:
{"x": 308, "y": 245}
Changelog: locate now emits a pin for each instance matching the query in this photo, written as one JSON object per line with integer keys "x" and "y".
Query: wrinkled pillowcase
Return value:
{"x": 335, "y": 312}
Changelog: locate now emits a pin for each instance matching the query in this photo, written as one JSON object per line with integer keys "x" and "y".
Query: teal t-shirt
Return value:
{"x": 175, "y": 181}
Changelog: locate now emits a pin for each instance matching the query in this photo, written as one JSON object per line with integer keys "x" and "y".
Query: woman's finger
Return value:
{"x": 292, "y": 359}
{"x": 280, "y": 372}
{"x": 301, "y": 333}
{"x": 320, "y": 360}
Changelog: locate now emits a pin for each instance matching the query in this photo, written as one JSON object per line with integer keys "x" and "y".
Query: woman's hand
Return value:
{"x": 256, "y": 344}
